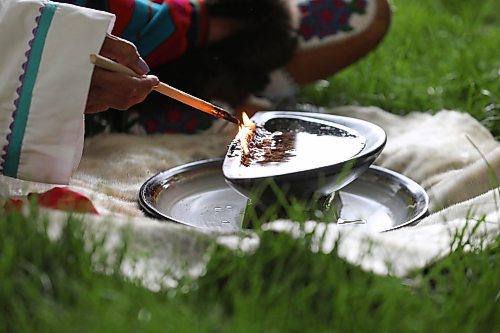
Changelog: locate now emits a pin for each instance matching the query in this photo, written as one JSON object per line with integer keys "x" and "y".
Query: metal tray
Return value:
{"x": 320, "y": 176}
{"x": 196, "y": 194}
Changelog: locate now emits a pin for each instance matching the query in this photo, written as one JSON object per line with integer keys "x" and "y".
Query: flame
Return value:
{"x": 245, "y": 133}
{"x": 246, "y": 121}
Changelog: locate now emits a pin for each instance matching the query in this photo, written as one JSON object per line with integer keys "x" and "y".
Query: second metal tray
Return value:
{"x": 196, "y": 194}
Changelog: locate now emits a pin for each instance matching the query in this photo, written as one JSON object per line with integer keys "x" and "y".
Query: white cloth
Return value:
{"x": 45, "y": 76}
{"x": 456, "y": 160}
{"x": 434, "y": 150}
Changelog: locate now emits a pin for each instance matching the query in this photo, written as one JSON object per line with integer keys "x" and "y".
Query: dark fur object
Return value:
{"x": 239, "y": 65}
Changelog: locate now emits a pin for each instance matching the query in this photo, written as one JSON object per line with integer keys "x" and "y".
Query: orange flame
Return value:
{"x": 246, "y": 121}
{"x": 245, "y": 133}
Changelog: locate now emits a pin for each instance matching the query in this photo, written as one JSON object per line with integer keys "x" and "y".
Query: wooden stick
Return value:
{"x": 166, "y": 90}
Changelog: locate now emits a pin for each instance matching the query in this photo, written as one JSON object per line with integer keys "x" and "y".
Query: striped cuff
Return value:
{"x": 45, "y": 138}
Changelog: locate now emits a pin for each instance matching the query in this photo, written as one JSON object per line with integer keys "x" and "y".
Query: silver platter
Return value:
{"x": 196, "y": 194}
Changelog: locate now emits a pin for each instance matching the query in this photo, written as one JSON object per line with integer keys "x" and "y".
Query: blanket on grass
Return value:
{"x": 449, "y": 153}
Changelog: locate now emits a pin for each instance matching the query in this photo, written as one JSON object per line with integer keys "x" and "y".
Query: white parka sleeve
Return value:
{"x": 45, "y": 77}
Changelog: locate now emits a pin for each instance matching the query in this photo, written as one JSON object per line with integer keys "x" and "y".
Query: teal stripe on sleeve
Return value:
{"x": 139, "y": 19}
{"x": 80, "y": 3}
{"x": 159, "y": 29}
{"x": 13, "y": 156}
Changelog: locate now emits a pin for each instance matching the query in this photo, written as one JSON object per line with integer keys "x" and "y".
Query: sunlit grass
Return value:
{"x": 282, "y": 286}
{"x": 437, "y": 55}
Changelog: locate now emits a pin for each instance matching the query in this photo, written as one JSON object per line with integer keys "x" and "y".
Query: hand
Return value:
{"x": 117, "y": 90}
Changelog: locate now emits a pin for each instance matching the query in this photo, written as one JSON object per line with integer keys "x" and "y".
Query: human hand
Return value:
{"x": 117, "y": 90}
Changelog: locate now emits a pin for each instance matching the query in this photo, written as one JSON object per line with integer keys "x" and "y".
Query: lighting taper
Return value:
{"x": 167, "y": 90}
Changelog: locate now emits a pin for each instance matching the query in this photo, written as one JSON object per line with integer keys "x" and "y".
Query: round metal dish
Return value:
{"x": 196, "y": 194}
{"x": 312, "y": 178}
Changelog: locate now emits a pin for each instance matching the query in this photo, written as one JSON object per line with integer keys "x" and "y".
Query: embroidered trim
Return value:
{"x": 12, "y": 151}
{"x": 323, "y": 18}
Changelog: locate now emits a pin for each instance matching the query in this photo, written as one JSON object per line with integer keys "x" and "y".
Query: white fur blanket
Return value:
{"x": 450, "y": 154}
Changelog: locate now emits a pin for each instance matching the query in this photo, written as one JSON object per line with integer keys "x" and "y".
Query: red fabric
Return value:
{"x": 177, "y": 43}
{"x": 124, "y": 10}
{"x": 12, "y": 205}
{"x": 204, "y": 23}
{"x": 57, "y": 198}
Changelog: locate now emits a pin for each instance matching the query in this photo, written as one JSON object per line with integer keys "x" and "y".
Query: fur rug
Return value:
{"x": 450, "y": 154}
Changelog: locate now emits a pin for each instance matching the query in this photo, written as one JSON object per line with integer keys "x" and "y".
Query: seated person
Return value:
{"x": 225, "y": 51}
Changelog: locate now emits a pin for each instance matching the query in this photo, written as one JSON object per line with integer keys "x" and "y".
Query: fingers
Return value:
{"x": 124, "y": 85}
{"x": 116, "y": 90}
{"x": 125, "y": 53}
{"x": 101, "y": 100}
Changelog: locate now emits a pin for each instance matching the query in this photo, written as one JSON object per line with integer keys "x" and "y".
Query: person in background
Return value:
{"x": 229, "y": 51}
{"x": 222, "y": 50}
{"x": 47, "y": 83}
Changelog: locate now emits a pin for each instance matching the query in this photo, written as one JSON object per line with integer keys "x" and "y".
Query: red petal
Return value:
{"x": 64, "y": 199}
{"x": 13, "y": 205}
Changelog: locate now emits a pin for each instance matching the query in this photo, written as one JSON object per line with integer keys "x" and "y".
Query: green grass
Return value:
{"x": 283, "y": 286}
{"x": 53, "y": 286}
{"x": 437, "y": 55}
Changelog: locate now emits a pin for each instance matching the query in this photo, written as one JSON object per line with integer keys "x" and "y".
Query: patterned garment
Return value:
{"x": 162, "y": 30}
{"x": 322, "y": 18}
{"x": 179, "y": 118}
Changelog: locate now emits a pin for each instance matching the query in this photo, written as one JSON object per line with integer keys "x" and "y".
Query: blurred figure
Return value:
{"x": 227, "y": 51}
